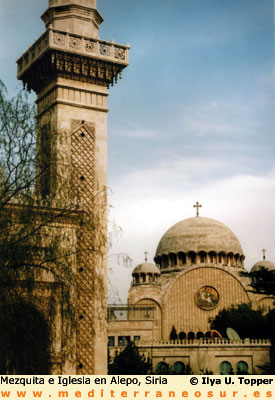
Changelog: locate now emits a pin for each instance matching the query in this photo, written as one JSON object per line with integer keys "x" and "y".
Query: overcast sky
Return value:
{"x": 192, "y": 119}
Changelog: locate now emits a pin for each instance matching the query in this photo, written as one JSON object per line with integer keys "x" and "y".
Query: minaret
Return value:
{"x": 70, "y": 69}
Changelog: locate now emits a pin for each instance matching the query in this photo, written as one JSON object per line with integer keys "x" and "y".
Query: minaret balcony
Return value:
{"x": 60, "y": 51}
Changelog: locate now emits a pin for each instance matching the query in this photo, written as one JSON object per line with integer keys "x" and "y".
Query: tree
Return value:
{"x": 40, "y": 241}
{"x": 263, "y": 282}
{"x": 248, "y": 323}
{"x": 31, "y": 247}
{"x": 130, "y": 362}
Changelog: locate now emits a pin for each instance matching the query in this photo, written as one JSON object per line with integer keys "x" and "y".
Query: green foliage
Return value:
{"x": 262, "y": 281}
{"x": 248, "y": 323}
{"x": 130, "y": 362}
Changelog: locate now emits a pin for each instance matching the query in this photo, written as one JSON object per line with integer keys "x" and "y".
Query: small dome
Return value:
{"x": 199, "y": 234}
{"x": 146, "y": 268}
{"x": 263, "y": 263}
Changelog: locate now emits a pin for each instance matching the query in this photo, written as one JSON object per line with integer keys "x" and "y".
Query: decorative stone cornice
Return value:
{"x": 61, "y": 54}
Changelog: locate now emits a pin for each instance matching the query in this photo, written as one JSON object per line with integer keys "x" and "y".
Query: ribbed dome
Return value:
{"x": 146, "y": 268}
{"x": 263, "y": 263}
{"x": 199, "y": 234}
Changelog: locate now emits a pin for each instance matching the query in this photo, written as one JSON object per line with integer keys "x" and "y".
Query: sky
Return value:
{"x": 191, "y": 120}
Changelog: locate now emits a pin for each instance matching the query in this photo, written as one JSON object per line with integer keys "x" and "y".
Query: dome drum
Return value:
{"x": 183, "y": 260}
{"x": 198, "y": 241}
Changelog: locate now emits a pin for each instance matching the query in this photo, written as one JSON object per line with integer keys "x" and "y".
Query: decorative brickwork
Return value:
{"x": 83, "y": 185}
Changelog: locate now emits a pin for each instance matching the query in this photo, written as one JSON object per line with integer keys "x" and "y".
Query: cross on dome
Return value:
{"x": 264, "y": 251}
{"x": 146, "y": 254}
{"x": 197, "y": 206}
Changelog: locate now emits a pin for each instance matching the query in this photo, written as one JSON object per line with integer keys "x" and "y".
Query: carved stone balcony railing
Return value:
{"x": 81, "y": 45}
{"x": 58, "y": 53}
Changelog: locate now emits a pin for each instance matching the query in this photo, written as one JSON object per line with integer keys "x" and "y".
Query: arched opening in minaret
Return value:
{"x": 24, "y": 340}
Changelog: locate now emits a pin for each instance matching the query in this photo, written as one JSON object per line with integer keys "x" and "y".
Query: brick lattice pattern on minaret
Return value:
{"x": 83, "y": 183}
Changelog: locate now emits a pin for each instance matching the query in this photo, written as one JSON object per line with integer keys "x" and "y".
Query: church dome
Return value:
{"x": 199, "y": 240}
{"x": 145, "y": 274}
{"x": 146, "y": 268}
{"x": 263, "y": 263}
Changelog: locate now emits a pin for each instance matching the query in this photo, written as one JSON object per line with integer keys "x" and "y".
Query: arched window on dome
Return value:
{"x": 172, "y": 259}
{"x": 178, "y": 368}
{"x": 225, "y": 368}
{"x": 192, "y": 257}
{"x": 162, "y": 368}
{"x": 158, "y": 261}
{"x": 212, "y": 257}
{"x": 202, "y": 256}
{"x": 230, "y": 259}
{"x": 242, "y": 368}
{"x": 241, "y": 260}
{"x": 164, "y": 261}
{"x": 220, "y": 258}
{"x": 182, "y": 258}
{"x": 150, "y": 278}
{"x": 237, "y": 257}
{"x": 142, "y": 278}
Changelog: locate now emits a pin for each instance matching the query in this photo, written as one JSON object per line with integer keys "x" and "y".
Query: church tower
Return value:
{"x": 71, "y": 69}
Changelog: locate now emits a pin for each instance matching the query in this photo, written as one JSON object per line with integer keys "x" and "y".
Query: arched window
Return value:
{"x": 225, "y": 368}
{"x": 164, "y": 261}
{"x": 178, "y": 368}
{"x": 242, "y": 368}
{"x": 182, "y": 258}
{"x": 208, "y": 334}
{"x": 173, "y": 259}
{"x": 182, "y": 335}
{"x": 202, "y": 256}
{"x": 162, "y": 368}
{"x": 192, "y": 257}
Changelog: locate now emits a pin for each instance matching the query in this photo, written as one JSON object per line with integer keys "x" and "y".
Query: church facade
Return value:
{"x": 196, "y": 274}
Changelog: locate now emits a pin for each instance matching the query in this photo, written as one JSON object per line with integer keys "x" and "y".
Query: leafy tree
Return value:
{"x": 130, "y": 362}
{"x": 263, "y": 282}
{"x": 247, "y": 322}
{"x": 32, "y": 248}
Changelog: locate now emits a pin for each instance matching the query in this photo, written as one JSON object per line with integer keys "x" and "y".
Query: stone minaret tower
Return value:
{"x": 70, "y": 69}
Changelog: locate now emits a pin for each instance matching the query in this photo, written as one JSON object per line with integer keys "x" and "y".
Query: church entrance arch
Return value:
{"x": 24, "y": 340}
